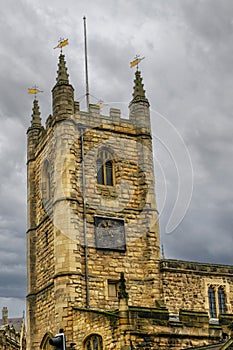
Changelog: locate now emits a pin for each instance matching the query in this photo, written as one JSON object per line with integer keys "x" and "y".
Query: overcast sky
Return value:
{"x": 188, "y": 77}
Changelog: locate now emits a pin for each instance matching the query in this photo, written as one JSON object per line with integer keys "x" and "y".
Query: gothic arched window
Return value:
{"x": 105, "y": 168}
{"x": 221, "y": 301}
{"x": 212, "y": 302}
{"x": 93, "y": 342}
{"x": 217, "y": 301}
{"x": 46, "y": 180}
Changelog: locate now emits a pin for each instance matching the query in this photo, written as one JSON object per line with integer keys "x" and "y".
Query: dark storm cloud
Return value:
{"x": 13, "y": 260}
{"x": 199, "y": 102}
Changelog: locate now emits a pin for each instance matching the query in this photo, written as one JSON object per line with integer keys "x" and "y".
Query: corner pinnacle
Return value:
{"x": 62, "y": 75}
{"x": 36, "y": 119}
{"x": 138, "y": 91}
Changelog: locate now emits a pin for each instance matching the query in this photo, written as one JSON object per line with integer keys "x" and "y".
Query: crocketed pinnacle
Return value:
{"x": 138, "y": 91}
{"x": 36, "y": 119}
{"x": 62, "y": 75}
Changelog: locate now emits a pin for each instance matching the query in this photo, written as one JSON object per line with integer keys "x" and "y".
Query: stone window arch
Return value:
{"x": 46, "y": 180}
{"x": 44, "y": 345}
{"x": 93, "y": 342}
{"x": 105, "y": 167}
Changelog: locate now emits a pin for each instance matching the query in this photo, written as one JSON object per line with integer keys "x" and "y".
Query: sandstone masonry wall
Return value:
{"x": 185, "y": 284}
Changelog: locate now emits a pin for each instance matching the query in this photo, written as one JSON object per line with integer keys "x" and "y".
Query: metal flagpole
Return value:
{"x": 83, "y": 174}
{"x": 86, "y": 67}
{"x": 82, "y": 130}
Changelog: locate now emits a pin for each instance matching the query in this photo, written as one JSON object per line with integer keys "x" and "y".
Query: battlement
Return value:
{"x": 93, "y": 117}
{"x": 200, "y": 268}
{"x": 136, "y": 124}
{"x": 95, "y": 111}
{"x": 65, "y": 108}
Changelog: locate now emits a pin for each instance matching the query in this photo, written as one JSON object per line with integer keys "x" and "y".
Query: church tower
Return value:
{"x": 93, "y": 236}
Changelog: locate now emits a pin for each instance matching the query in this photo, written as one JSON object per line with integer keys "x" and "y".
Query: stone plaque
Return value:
{"x": 110, "y": 233}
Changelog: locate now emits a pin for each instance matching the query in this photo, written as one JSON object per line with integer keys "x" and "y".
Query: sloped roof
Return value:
{"x": 16, "y": 322}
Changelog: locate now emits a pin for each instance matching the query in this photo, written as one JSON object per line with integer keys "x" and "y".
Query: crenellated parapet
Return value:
{"x": 65, "y": 107}
{"x": 195, "y": 267}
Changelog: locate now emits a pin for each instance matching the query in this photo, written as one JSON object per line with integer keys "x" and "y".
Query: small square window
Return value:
{"x": 113, "y": 289}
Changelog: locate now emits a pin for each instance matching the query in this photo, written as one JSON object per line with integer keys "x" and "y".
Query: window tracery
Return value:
{"x": 217, "y": 301}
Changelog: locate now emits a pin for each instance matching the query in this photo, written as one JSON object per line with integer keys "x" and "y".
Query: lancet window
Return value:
{"x": 221, "y": 300}
{"x": 46, "y": 180}
{"x": 212, "y": 302}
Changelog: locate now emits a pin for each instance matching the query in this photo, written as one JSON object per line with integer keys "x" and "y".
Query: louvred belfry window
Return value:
{"x": 105, "y": 168}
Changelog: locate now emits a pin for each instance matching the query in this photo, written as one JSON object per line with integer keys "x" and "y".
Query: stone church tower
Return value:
{"x": 93, "y": 237}
{"x": 94, "y": 266}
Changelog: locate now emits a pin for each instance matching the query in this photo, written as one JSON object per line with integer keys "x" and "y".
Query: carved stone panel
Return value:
{"x": 109, "y": 233}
